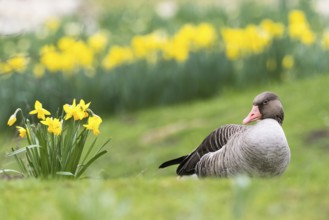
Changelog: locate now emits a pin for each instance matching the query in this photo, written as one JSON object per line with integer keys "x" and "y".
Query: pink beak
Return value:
{"x": 253, "y": 115}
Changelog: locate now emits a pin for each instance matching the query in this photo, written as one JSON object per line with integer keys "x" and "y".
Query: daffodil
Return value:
{"x": 205, "y": 36}
{"x": 69, "y": 110}
{"x": 299, "y": 28}
{"x": 116, "y": 56}
{"x": 18, "y": 63}
{"x": 54, "y": 125}
{"x": 288, "y": 61}
{"x": 148, "y": 46}
{"x": 66, "y": 43}
{"x": 13, "y": 118}
{"x": 22, "y": 131}
{"x": 41, "y": 112}
{"x": 64, "y": 141}
{"x": 83, "y": 108}
{"x": 272, "y": 28}
{"x": 78, "y": 112}
{"x": 97, "y": 41}
{"x": 83, "y": 55}
{"x": 93, "y": 124}
{"x": 5, "y": 68}
{"x": 50, "y": 58}
{"x": 252, "y": 39}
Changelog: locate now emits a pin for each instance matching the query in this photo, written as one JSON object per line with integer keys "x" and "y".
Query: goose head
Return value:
{"x": 266, "y": 105}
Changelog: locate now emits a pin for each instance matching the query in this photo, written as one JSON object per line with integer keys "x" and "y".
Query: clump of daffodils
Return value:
{"x": 57, "y": 144}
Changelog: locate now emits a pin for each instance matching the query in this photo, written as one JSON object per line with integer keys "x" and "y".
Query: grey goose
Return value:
{"x": 255, "y": 150}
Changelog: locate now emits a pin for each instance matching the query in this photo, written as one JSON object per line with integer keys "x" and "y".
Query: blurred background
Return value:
{"x": 143, "y": 64}
{"x": 124, "y": 56}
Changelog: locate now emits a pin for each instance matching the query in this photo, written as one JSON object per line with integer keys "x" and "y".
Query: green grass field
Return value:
{"x": 131, "y": 187}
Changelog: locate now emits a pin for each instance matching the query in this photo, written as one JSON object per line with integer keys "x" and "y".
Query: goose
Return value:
{"x": 258, "y": 150}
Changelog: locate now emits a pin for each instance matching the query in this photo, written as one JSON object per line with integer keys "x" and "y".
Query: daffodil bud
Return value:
{"x": 13, "y": 118}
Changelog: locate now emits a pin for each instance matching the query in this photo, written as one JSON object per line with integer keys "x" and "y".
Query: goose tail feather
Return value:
{"x": 173, "y": 162}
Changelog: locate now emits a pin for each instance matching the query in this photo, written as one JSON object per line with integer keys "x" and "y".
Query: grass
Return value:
{"x": 164, "y": 198}
{"x": 132, "y": 187}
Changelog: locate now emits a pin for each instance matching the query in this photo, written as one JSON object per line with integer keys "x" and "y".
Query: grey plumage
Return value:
{"x": 256, "y": 150}
{"x": 243, "y": 154}
{"x": 213, "y": 142}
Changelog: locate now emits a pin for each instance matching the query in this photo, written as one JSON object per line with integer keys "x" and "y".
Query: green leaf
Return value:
{"x": 84, "y": 167}
{"x": 89, "y": 150}
{"x": 64, "y": 173}
{"x": 92, "y": 146}
{"x": 33, "y": 161}
{"x": 21, "y": 164}
{"x": 10, "y": 171}
{"x": 21, "y": 150}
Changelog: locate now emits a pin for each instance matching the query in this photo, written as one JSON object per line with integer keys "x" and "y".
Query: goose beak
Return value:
{"x": 253, "y": 115}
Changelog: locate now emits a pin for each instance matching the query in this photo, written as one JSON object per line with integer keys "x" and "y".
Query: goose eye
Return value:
{"x": 265, "y": 102}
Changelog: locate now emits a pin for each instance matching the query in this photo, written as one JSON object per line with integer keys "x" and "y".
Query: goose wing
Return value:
{"x": 213, "y": 142}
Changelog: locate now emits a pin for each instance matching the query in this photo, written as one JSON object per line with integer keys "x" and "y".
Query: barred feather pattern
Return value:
{"x": 218, "y": 138}
{"x": 259, "y": 150}
{"x": 213, "y": 142}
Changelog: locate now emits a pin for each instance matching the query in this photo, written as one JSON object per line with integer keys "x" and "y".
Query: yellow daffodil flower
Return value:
{"x": 54, "y": 125}
{"x": 41, "y": 112}
{"x": 116, "y": 56}
{"x": 83, "y": 107}
{"x": 22, "y": 131}
{"x": 50, "y": 58}
{"x": 69, "y": 55}
{"x": 299, "y": 28}
{"x": 288, "y": 61}
{"x": 69, "y": 110}
{"x": 18, "y": 63}
{"x": 253, "y": 39}
{"x": 78, "y": 112}
{"x": 83, "y": 55}
{"x": 93, "y": 124}
{"x": 272, "y": 28}
{"x": 5, "y": 68}
{"x": 97, "y": 41}
{"x": 205, "y": 36}
{"x": 149, "y": 46}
